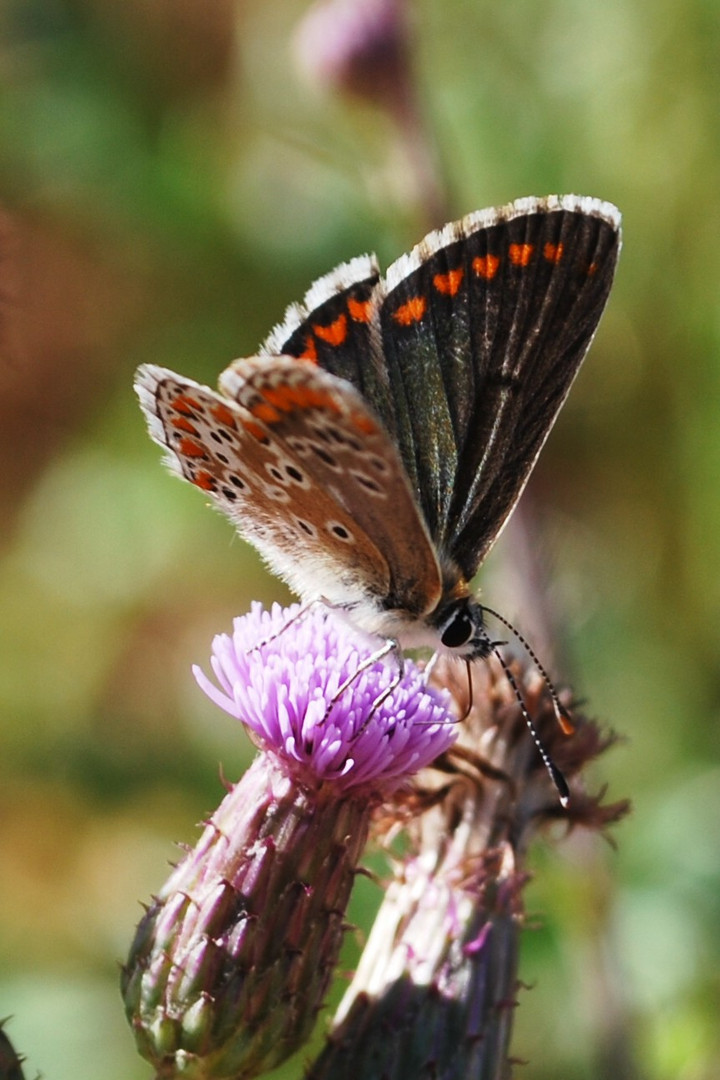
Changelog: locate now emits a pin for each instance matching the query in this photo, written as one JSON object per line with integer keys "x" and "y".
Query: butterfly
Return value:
{"x": 375, "y": 446}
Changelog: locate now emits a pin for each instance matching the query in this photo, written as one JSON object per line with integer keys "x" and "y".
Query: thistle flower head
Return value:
{"x": 230, "y": 965}
{"x": 306, "y": 686}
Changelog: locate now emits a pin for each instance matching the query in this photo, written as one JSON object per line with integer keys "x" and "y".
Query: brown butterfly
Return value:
{"x": 374, "y": 448}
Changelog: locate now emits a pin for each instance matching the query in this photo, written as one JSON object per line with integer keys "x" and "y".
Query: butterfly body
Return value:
{"x": 375, "y": 446}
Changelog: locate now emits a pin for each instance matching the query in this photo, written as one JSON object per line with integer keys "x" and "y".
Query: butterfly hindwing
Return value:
{"x": 305, "y": 472}
{"x": 257, "y": 483}
{"x": 347, "y": 452}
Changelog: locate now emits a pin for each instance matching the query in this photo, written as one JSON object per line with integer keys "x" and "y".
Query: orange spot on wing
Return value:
{"x": 486, "y": 266}
{"x": 291, "y": 397}
{"x": 520, "y": 254}
{"x": 191, "y": 448}
{"x": 279, "y": 396}
{"x": 410, "y": 312}
{"x": 185, "y": 404}
{"x": 204, "y": 480}
{"x": 364, "y": 423}
{"x": 310, "y": 351}
{"x": 223, "y": 415}
{"x": 592, "y": 269}
{"x": 553, "y": 252}
{"x": 308, "y": 397}
{"x": 448, "y": 284}
{"x": 335, "y": 333}
{"x": 266, "y": 412}
{"x": 181, "y": 423}
{"x": 256, "y": 430}
{"x": 284, "y": 398}
{"x": 360, "y": 310}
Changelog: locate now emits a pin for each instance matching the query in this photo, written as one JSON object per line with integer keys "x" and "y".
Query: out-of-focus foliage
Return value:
{"x": 169, "y": 183}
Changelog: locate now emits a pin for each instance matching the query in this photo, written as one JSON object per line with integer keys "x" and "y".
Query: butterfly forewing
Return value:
{"x": 558, "y": 311}
{"x": 336, "y": 327}
{"x": 484, "y": 327}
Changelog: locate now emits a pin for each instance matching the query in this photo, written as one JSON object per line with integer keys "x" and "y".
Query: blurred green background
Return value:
{"x": 170, "y": 180}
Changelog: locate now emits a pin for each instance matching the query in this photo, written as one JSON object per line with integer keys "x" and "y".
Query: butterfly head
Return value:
{"x": 461, "y": 627}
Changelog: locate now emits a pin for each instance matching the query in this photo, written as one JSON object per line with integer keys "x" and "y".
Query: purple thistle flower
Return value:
{"x": 284, "y": 691}
{"x": 230, "y": 965}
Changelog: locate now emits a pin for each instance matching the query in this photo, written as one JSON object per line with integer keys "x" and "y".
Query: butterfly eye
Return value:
{"x": 458, "y": 630}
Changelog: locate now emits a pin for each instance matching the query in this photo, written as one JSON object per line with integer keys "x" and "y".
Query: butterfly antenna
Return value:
{"x": 556, "y": 776}
{"x": 560, "y": 712}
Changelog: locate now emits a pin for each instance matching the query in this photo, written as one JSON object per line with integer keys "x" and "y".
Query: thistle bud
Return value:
{"x": 10, "y": 1061}
{"x": 435, "y": 990}
{"x": 358, "y": 48}
{"x": 364, "y": 49}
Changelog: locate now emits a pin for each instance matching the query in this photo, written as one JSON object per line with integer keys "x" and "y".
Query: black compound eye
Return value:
{"x": 458, "y": 631}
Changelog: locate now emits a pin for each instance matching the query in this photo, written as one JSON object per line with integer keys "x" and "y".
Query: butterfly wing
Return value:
{"x": 484, "y": 327}
{"x": 337, "y": 327}
{"x": 298, "y": 462}
{"x": 467, "y": 350}
{"x": 347, "y": 454}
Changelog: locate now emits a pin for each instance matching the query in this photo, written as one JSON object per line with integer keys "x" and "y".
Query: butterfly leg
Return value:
{"x": 400, "y": 659}
{"x": 388, "y": 647}
{"x": 299, "y": 614}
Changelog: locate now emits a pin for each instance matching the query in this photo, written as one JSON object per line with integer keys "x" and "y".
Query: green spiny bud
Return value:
{"x": 230, "y": 964}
